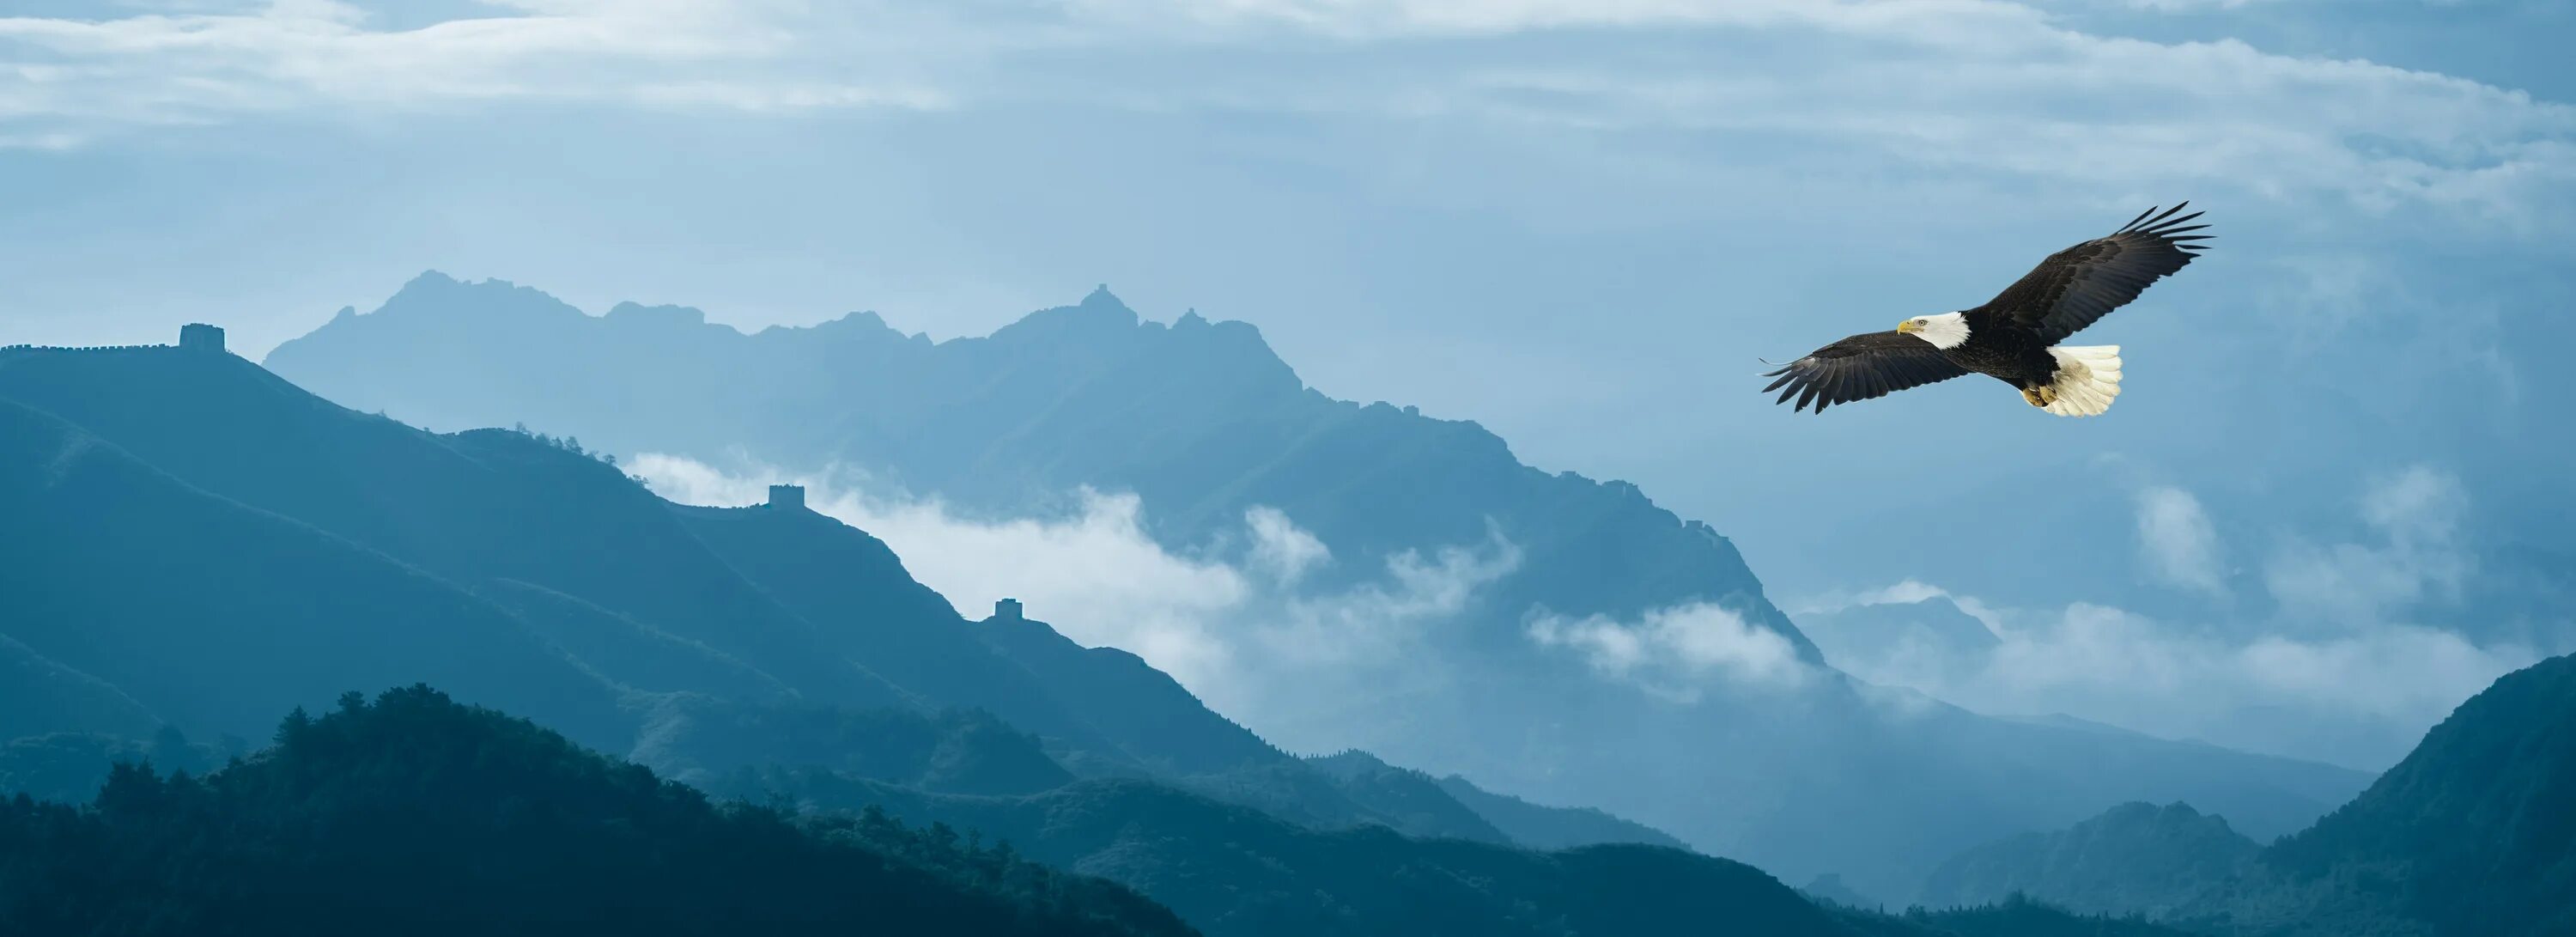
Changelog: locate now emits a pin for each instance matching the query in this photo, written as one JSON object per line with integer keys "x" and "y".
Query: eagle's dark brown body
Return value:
{"x": 2018, "y": 357}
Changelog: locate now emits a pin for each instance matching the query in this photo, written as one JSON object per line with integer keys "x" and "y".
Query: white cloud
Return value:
{"x": 197, "y": 66}
{"x": 1982, "y": 86}
{"x": 1381, "y": 622}
{"x": 2176, "y": 6}
{"x": 2386, "y": 672}
{"x": 1282, "y": 549}
{"x": 2194, "y": 6}
{"x": 1379, "y": 19}
{"x": 1095, "y": 574}
{"x": 1677, "y": 652}
{"x": 2417, "y": 504}
{"x": 2333, "y": 308}
{"x": 2416, "y": 514}
{"x": 2181, "y": 547}
{"x": 2361, "y": 697}
{"x": 1234, "y": 626}
{"x": 1910, "y": 590}
{"x": 2346, "y": 672}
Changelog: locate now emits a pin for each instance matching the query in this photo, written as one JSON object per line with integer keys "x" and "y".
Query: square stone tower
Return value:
{"x": 198, "y": 336}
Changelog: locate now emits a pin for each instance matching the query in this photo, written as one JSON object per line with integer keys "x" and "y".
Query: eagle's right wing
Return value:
{"x": 1864, "y": 366}
{"x": 2077, "y": 286}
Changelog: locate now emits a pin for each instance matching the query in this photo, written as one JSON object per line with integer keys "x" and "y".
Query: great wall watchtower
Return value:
{"x": 787, "y": 497}
{"x": 1007, "y": 610}
{"x": 198, "y": 336}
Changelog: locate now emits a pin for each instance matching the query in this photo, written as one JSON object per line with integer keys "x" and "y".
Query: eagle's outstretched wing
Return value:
{"x": 2079, "y": 285}
{"x": 1864, "y": 366}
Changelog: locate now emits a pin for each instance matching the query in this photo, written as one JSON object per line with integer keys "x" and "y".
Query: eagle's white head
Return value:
{"x": 1945, "y": 331}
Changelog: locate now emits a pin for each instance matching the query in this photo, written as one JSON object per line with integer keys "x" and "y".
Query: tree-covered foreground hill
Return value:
{"x": 414, "y": 814}
{"x": 2472, "y": 835}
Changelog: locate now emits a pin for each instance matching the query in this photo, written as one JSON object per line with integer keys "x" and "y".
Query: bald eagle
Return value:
{"x": 2014, "y": 336}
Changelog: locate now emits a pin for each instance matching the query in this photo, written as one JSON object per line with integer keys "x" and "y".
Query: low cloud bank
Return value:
{"x": 2342, "y": 661}
{"x": 1230, "y": 621}
{"x": 1675, "y": 652}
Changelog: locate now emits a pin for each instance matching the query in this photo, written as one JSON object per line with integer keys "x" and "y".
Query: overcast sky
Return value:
{"x": 1578, "y": 222}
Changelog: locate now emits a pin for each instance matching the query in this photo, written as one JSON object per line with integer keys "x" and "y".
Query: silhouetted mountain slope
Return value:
{"x": 1542, "y": 827}
{"x": 69, "y": 766}
{"x": 1302, "y": 794}
{"x": 510, "y": 545}
{"x": 694, "y": 738}
{"x": 1828, "y": 889}
{"x": 640, "y": 657}
{"x": 203, "y": 610}
{"x": 1232, "y": 870}
{"x": 39, "y": 695}
{"x": 2015, "y": 917}
{"x": 1103, "y": 702}
{"x": 1426, "y": 808}
{"x": 418, "y": 816}
{"x": 697, "y": 739}
{"x": 2472, "y": 835}
{"x": 1200, "y": 418}
{"x": 1933, "y": 628}
{"x": 2133, "y": 858}
{"x": 617, "y": 577}
{"x": 470, "y": 508}
{"x": 2475, "y": 831}
{"x": 1454, "y": 808}
{"x": 1203, "y": 423}
{"x": 1151, "y": 711}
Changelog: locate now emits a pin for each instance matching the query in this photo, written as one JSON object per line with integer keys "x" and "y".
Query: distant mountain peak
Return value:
{"x": 1099, "y": 324}
{"x": 1101, "y": 329}
{"x": 1864, "y": 631}
{"x": 658, "y": 315}
{"x": 1101, "y": 298}
{"x": 867, "y": 319}
{"x": 435, "y": 294}
{"x": 439, "y": 283}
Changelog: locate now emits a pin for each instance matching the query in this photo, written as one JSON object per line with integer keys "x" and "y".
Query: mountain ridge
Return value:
{"x": 544, "y": 548}
{"x": 1202, "y": 422}
{"x": 1244, "y": 362}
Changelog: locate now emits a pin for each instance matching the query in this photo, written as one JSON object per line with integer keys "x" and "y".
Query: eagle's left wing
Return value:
{"x": 1864, "y": 366}
{"x": 2077, "y": 286}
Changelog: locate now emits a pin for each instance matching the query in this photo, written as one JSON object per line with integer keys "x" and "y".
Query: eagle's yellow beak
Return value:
{"x": 1906, "y": 327}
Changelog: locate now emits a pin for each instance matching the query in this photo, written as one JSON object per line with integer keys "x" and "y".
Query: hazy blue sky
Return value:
{"x": 1576, "y": 221}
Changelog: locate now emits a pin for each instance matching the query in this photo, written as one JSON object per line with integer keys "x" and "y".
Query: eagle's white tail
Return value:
{"x": 2088, "y": 378}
